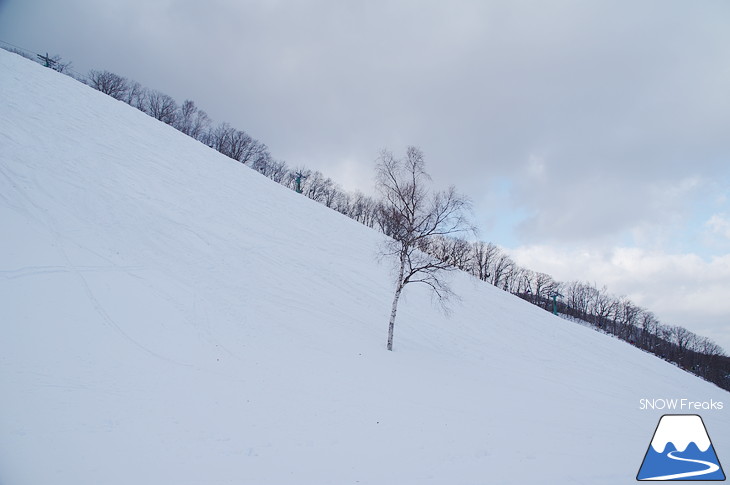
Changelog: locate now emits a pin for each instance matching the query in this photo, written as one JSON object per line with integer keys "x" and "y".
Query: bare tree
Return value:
{"x": 276, "y": 170}
{"x": 578, "y": 295}
{"x": 603, "y": 306}
{"x": 219, "y": 138}
{"x": 136, "y": 95}
{"x": 109, "y": 83}
{"x": 315, "y": 185}
{"x": 240, "y": 143}
{"x": 502, "y": 265}
{"x": 161, "y": 107}
{"x": 331, "y": 194}
{"x": 192, "y": 121}
{"x": 255, "y": 152}
{"x": 542, "y": 286}
{"x": 416, "y": 216}
{"x": 363, "y": 209}
{"x": 454, "y": 250}
{"x": 682, "y": 337}
{"x": 648, "y": 325}
{"x": 519, "y": 281}
{"x": 342, "y": 202}
{"x": 630, "y": 316}
{"x": 708, "y": 347}
{"x": 483, "y": 258}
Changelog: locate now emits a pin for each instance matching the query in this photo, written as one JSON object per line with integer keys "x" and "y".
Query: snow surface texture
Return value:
{"x": 170, "y": 316}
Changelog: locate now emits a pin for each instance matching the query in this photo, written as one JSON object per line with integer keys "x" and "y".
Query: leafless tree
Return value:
{"x": 578, "y": 296}
{"x": 454, "y": 250}
{"x": 237, "y": 144}
{"x": 416, "y": 216}
{"x": 315, "y": 185}
{"x": 136, "y": 96}
{"x": 683, "y": 339}
{"x": 483, "y": 259}
{"x": 253, "y": 151}
{"x": 501, "y": 266}
{"x": 192, "y": 121}
{"x": 109, "y": 83}
{"x": 331, "y": 194}
{"x": 342, "y": 202}
{"x": 519, "y": 281}
{"x": 628, "y": 316}
{"x": 542, "y": 286}
{"x": 276, "y": 170}
{"x": 603, "y": 306}
{"x": 218, "y": 138}
{"x": 161, "y": 107}
{"x": 364, "y": 209}
{"x": 708, "y": 347}
{"x": 648, "y": 324}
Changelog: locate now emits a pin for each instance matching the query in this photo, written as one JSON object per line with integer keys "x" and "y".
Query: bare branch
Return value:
{"x": 420, "y": 223}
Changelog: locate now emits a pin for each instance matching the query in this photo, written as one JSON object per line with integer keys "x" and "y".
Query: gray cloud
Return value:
{"x": 611, "y": 95}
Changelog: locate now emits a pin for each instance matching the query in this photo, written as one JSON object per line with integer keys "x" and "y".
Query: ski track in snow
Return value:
{"x": 77, "y": 271}
{"x": 44, "y": 270}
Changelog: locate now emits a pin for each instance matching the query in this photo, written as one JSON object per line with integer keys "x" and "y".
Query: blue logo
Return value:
{"x": 681, "y": 450}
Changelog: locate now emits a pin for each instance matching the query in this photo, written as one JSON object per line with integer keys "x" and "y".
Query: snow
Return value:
{"x": 171, "y": 316}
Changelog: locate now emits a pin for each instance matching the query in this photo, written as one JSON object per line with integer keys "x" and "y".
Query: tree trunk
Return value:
{"x": 394, "y": 308}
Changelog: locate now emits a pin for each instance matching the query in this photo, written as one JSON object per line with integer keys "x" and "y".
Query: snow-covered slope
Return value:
{"x": 169, "y": 316}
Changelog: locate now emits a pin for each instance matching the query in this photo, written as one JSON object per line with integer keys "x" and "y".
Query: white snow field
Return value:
{"x": 169, "y": 316}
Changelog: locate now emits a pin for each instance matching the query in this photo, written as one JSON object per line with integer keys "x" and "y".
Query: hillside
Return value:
{"x": 170, "y": 316}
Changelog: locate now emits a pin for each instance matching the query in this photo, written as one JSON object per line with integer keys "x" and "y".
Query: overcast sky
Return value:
{"x": 592, "y": 136}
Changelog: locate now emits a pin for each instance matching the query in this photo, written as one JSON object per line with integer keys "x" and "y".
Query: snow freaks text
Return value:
{"x": 679, "y": 405}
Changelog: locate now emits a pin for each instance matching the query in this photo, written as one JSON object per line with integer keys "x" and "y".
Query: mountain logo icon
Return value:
{"x": 680, "y": 450}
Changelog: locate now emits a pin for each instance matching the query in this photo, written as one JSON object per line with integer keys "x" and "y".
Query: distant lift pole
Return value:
{"x": 298, "y": 181}
{"x": 554, "y": 295}
{"x": 47, "y": 60}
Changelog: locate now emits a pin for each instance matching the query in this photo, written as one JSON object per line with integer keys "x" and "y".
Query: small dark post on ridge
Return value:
{"x": 48, "y": 62}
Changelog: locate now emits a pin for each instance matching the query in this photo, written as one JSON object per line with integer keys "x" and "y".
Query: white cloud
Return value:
{"x": 719, "y": 224}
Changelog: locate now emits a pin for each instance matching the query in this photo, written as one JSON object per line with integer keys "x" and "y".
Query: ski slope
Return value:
{"x": 170, "y": 316}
